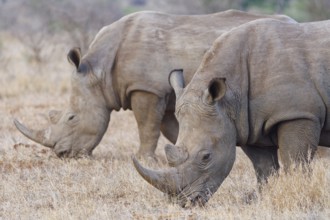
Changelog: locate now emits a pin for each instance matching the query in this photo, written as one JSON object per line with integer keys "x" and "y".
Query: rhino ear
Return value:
{"x": 216, "y": 90}
{"x": 74, "y": 56}
{"x": 54, "y": 116}
{"x": 176, "y": 81}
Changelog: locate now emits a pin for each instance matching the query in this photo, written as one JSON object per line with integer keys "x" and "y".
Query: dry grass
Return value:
{"x": 37, "y": 185}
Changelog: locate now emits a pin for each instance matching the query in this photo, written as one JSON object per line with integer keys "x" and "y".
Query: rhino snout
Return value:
{"x": 63, "y": 151}
{"x": 198, "y": 198}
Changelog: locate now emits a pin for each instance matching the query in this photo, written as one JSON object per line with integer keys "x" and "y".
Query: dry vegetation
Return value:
{"x": 35, "y": 184}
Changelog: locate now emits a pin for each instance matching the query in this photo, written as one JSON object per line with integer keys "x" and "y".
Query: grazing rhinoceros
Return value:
{"x": 127, "y": 66}
{"x": 264, "y": 86}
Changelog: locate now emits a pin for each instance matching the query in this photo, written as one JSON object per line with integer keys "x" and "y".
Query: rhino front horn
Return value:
{"x": 40, "y": 136}
{"x": 165, "y": 181}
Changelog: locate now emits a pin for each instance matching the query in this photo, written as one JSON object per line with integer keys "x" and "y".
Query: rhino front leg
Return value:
{"x": 148, "y": 110}
{"x": 264, "y": 160}
{"x": 298, "y": 141}
{"x": 170, "y": 127}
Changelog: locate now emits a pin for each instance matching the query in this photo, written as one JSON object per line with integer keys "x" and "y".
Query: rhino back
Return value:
{"x": 142, "y": 48}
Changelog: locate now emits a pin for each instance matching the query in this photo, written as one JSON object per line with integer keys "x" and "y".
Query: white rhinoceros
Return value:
{"x": 264, "y": 86}
{"x": 127, "y": 67}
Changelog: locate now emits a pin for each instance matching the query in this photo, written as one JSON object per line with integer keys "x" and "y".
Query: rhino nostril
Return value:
{"x": 61, "y": 154}
{"x": 71, "y": 117}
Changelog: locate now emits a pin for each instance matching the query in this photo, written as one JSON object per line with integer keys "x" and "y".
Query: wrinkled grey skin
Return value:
{"x": 264, "y": 86}
{"x": 127, "y": 67}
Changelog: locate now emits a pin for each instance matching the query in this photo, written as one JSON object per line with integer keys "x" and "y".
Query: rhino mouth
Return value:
{"x": 67, "y": 152}
{"x": 64, "y": 154}
{"x": 195, "y": 199}
{"x": 198, "y": 193}
{"x": 63, "y": 151}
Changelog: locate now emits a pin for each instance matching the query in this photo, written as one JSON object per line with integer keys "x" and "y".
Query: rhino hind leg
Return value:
{"x": 170, "y": 127}
{"x": 148, "y": 110}
{"x": 264, "y": 160}
{"x": 298, "y": 141}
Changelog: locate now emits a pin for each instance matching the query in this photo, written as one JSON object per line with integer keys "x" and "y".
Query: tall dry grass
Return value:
{"x": 35, "y": 184}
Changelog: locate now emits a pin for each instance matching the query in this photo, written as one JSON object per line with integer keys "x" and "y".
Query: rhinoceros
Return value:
{"x": 127, "y": 67}
{"x": 264, "y": 86}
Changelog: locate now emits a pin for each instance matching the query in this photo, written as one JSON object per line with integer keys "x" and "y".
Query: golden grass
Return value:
{"x": 35, "y": 184}
{"x": 20, "y": 73}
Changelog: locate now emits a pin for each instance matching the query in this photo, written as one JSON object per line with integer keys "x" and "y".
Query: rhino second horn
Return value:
{"x": 165, "y": 181}
{"x": 175, "y": 155}
{"x": 40, "y": 136}
{"x": 176, "y": 81}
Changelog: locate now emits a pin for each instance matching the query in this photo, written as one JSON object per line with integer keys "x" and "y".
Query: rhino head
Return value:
{"x": 206, "y": 148}
{"x": 77, "y": 130}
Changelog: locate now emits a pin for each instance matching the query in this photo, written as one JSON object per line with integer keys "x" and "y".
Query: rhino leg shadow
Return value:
{"x": 170, "y": 127}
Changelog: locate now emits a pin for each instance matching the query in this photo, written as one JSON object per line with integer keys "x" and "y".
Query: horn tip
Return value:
{"x": 172, "y": 72}
{"x": 135, "y": 161}
{"x": 17, "y": 123}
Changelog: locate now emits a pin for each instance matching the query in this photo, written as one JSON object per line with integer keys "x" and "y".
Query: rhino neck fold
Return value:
{"x": 109, "y": 92}
{"x": 103, "y": 56}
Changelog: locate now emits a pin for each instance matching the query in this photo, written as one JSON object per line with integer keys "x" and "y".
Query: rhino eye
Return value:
{"x": 71, "y": 117}
{"x": 206, "y": 157}
{"x": 203, "y": 158}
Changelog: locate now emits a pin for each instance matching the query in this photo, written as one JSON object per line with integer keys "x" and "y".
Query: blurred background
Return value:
{"x": 34, "y": 20}
{"x": 35, "y": 35}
